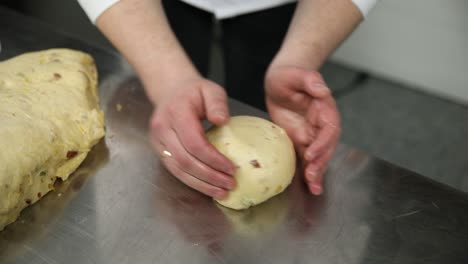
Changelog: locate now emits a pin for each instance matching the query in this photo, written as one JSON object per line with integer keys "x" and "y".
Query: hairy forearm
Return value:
{"x": 140, "y": 31}
{"x": 317, "y": 28}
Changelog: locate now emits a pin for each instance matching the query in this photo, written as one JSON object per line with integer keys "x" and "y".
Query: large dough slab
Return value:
{"x": 49, "y": 120}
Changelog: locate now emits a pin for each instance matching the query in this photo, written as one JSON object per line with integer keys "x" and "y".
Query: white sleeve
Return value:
{"x": 94, "y": 8}
{"x": 365, "y": 5}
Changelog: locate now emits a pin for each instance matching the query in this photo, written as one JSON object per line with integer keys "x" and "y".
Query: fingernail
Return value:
{"x": 232, "y": 170}
{"x": 229, "y": 171}
{"x": 316, "y": 189}
{"x": 319, "y": 86}
{"x": 311, "y": 175}
{"x": 220, "y": 114}
{"x": 231, "y": 185}
{"x": 310, "y": 155}
{"x": 220, "y": 195}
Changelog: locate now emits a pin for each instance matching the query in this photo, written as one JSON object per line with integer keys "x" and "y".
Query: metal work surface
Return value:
{"x": 121, "y": 206}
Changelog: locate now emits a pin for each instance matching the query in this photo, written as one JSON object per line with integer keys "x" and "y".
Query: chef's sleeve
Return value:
{"x": 94, "y": 8}
{"x": 365, "y": 6}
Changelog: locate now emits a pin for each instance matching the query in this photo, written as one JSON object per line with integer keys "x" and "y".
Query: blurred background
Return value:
{"x": 401, "y": 80}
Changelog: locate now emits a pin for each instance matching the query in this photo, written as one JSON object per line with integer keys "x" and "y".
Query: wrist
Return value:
{"x": 160, "y": 79}
{"x": 160, "y": 87}
{"x": 310, "y": 59}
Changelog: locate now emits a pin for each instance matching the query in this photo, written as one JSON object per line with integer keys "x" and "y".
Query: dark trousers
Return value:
{"x": 249, "y": 43}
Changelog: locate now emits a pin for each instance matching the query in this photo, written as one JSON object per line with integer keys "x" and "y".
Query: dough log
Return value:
{"x": 49, "y": 120}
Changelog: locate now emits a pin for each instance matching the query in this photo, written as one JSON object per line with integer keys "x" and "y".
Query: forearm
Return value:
{"x": 140, "y": 31}
{"x": 317, "y": 28}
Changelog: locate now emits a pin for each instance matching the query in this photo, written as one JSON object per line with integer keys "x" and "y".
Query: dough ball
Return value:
{"x": 264, "y": 156}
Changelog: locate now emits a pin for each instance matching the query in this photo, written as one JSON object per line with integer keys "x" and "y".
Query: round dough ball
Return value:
{"x": 264, "y": 156}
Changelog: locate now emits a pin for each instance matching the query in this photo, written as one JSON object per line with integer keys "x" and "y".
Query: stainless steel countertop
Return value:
{"x": 121, "y": 206}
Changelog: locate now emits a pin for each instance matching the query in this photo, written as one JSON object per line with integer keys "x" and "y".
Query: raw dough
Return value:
{"x": 49, "y": 120}
{"x": 264, "y": 155}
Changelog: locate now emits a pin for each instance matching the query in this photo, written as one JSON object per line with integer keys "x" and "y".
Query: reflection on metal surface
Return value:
{"x": 124, "y": 207}
{"x": 259, "y": 220}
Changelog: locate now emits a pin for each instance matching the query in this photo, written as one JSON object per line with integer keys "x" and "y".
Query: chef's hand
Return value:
{"x": 178, "y": 135}
{"x": 299, "y": 101}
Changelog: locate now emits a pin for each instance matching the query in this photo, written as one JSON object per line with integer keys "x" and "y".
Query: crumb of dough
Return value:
{"x": 119, "y": 107}
{"x": 255, "y": 164}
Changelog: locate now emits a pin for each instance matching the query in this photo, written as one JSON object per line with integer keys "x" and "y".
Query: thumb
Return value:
{"x": 215, "y": 104}
{"x": 315, "y": 86}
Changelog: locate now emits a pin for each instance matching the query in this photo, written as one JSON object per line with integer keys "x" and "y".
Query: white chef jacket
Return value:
{"x": 220, "y": 8}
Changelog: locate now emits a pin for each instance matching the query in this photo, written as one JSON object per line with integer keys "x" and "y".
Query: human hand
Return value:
{"x": 299, "y": 101}
{"x": 177, "y": 134}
